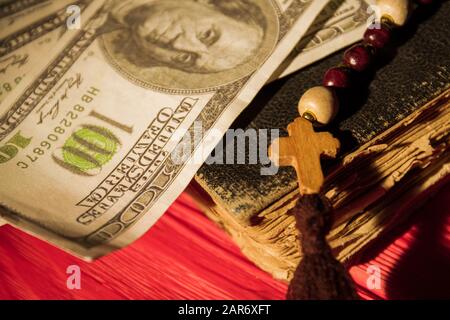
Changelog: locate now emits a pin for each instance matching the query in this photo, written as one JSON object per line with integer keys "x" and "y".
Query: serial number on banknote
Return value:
{"x": 65, "y": 123}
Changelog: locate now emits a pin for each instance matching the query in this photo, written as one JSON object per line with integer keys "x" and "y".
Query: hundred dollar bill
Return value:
{"x": 86, "y": 140}
{"x": 28, "y": 30}
{"x": 340, "y": 24}
{"x": 22, "y": 47}
{"x": 17, "y": 14}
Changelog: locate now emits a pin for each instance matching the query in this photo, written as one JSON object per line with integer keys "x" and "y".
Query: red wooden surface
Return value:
{"x": 186, "y": 256}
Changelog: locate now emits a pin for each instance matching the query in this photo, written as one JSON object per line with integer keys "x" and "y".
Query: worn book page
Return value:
{"x": 370, "y": 191}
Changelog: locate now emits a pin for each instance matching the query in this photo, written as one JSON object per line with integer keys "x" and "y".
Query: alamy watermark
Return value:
{"x": 73, "y": 22}
{"x": 238, "y": 146}
{"x": 375, "y": 14}
{"x": 74, "y": 277}
{"x": 374, "y": 279}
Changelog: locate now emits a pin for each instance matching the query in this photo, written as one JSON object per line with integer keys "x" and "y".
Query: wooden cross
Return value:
{"x": 302, "y": 150}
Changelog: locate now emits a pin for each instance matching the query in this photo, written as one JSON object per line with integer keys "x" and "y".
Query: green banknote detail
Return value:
{"x": 90, "y": 147}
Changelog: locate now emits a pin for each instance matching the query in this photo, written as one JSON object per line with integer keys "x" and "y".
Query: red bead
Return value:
{"x": 377, "y": 37}
{"x": 336, "y": 77}
{"x": 357, "y": 57}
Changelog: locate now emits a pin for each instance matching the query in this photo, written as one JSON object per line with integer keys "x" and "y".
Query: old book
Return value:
{"x": 394, "y": 127}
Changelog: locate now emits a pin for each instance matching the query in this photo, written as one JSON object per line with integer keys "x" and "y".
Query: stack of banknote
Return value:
{"x": 97, "y": 95}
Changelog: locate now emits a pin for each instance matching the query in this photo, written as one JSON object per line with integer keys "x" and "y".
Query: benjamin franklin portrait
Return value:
{"x": 188, "y": 44}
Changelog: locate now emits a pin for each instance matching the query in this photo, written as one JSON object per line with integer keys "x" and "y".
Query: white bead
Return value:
{"x": 320, "y": 102}
{"x": 395, "y": 10}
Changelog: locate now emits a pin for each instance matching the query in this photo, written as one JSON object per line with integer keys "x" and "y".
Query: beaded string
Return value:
{"x": 319, "y": 275}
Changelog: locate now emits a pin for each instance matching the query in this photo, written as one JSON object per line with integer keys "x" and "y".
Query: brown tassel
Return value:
{"x": 319, "y": 276}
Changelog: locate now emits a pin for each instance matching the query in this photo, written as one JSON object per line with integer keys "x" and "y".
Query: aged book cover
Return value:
{"x": 395, "y": 131}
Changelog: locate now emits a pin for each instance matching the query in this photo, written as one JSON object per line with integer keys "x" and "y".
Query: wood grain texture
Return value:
{"x": 186, "y": 256}
{"x": 302, "y": 150}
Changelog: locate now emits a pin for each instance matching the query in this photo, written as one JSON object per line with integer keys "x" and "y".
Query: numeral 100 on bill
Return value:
{"x": 84, "y": 152}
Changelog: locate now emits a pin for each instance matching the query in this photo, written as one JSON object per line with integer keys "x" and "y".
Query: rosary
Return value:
{"x": 319, "y": 275}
